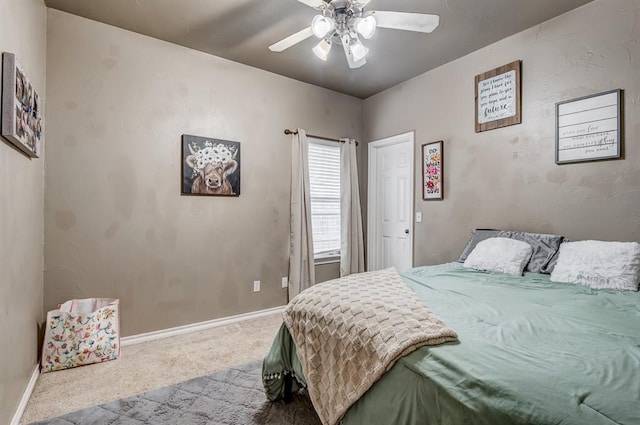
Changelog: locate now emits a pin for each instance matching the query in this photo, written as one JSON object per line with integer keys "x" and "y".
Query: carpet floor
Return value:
{"x": 233, "y": 396}
{"x": 152, "y": 365}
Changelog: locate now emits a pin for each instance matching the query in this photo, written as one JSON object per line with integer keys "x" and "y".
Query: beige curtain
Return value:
{"x": 351, "y": 235}
{"x": 301, "y": 265}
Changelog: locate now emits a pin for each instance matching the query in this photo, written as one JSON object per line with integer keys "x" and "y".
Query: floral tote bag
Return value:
{"x": 81, "y": 332}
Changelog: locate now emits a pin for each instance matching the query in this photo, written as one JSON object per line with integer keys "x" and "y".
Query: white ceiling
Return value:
{"x": 242, "y": 30}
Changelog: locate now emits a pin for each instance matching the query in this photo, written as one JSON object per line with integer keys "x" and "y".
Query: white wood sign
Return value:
{"x": 589, "y": 128}
{"x": 497, "y": 97}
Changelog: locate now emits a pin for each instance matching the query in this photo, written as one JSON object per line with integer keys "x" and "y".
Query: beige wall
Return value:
{"x": 115, "y": 222}
{"x": 22, "y": 31}
{"x": 507, "y": 178}
{"x": 327, "y": 271}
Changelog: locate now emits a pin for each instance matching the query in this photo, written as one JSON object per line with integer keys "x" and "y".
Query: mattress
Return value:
{"x": 530, "y": 351}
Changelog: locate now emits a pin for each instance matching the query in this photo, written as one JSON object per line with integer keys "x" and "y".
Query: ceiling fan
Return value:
{"x": 344, "y": 21}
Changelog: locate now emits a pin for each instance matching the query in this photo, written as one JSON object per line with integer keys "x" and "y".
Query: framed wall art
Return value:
{"x": 590, "y": 128}
{"x": 498, "y": 97}
{"x": 432, "y": 171}
{"x": 210, "y": 167}
{"x": 21, "y": 108}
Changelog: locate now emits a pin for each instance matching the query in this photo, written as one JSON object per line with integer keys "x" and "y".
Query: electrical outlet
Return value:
{"x": 256, "y": 286}
{"x": 418, "y": 217}
{"x": 285, "y": 281}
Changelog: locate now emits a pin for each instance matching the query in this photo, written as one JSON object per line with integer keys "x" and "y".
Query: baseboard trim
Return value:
{"x": 26, "y": 395}
{"x": 194, "y": 327}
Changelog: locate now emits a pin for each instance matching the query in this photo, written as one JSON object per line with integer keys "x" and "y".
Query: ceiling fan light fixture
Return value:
{"x": 321, "y": 26}
{"x": 322, "y": 49}
{"x": 346, "y": 22}
{"x": 359, "y": 51}
{"x": 366, "y": 27}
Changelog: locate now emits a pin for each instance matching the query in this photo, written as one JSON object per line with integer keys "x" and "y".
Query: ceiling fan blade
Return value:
{"x": 312, "y": 3}
{"x": 352, "y": 64}
{"x": 291, "y": 40}
{"x": 419, "y": 22}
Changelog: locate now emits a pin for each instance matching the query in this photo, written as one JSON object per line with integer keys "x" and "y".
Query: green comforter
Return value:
{"x": 530, "y": 352}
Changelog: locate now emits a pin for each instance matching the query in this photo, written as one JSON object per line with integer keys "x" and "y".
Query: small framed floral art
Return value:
{"x": 432, "y": 171}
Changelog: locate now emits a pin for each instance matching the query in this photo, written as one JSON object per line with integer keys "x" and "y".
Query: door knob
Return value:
{"x": 406, "y": 231}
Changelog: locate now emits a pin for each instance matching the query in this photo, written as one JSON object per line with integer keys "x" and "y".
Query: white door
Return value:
{"x": 390, "y": 225}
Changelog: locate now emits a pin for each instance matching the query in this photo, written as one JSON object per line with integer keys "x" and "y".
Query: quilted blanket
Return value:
{"x": 349, "y": 331}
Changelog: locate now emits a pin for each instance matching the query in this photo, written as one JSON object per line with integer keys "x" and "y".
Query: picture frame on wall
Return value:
{"x": 498, "y": 97}
{"x": 210, "y": 167}
{"x": 22, "y": 123}
{"x": 590, "y": 128}
{"x": 433, "y": 171}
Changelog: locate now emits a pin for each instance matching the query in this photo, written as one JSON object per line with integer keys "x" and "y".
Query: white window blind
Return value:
{"x": 324, "y": 179}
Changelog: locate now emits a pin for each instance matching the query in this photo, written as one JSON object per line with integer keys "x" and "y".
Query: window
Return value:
{"x": 324, "y": 180}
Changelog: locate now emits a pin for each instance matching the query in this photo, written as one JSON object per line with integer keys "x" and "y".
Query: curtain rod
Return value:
{"x": 287, "y": 131}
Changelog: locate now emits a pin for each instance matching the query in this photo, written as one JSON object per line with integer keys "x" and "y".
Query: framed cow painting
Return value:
{"x": 210, "y": 167}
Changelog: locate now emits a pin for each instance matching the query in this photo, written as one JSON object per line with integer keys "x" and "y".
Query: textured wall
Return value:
{"x": 507, "y": 178}
{"x": 22, "y": 31}
{"x": 115, "y": 223}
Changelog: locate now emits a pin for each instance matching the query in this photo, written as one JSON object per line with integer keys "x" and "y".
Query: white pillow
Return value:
{"x": 503, "y": 255}
{"x": 599, "y": 265}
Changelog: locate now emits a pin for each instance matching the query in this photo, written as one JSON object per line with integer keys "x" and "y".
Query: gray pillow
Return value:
{"x": 477, "y": 235}
{"x": 548, "y": 269}
{"x": 545, "y": 247}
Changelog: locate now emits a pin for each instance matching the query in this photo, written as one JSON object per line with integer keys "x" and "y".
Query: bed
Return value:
{"x": 530, "y": 351}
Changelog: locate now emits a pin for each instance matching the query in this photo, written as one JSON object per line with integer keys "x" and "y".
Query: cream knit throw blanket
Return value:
{"x": 349, "y": 331}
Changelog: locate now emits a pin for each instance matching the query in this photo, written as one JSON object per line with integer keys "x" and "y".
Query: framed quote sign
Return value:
{"x": 589, "y": 128}
{"x": 498, "y": 97}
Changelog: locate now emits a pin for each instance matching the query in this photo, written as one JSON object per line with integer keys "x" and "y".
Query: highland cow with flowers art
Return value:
{"x": 210, "y": 166}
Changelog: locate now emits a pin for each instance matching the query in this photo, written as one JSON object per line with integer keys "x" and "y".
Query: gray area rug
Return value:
{"x": 230, "y": 397}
